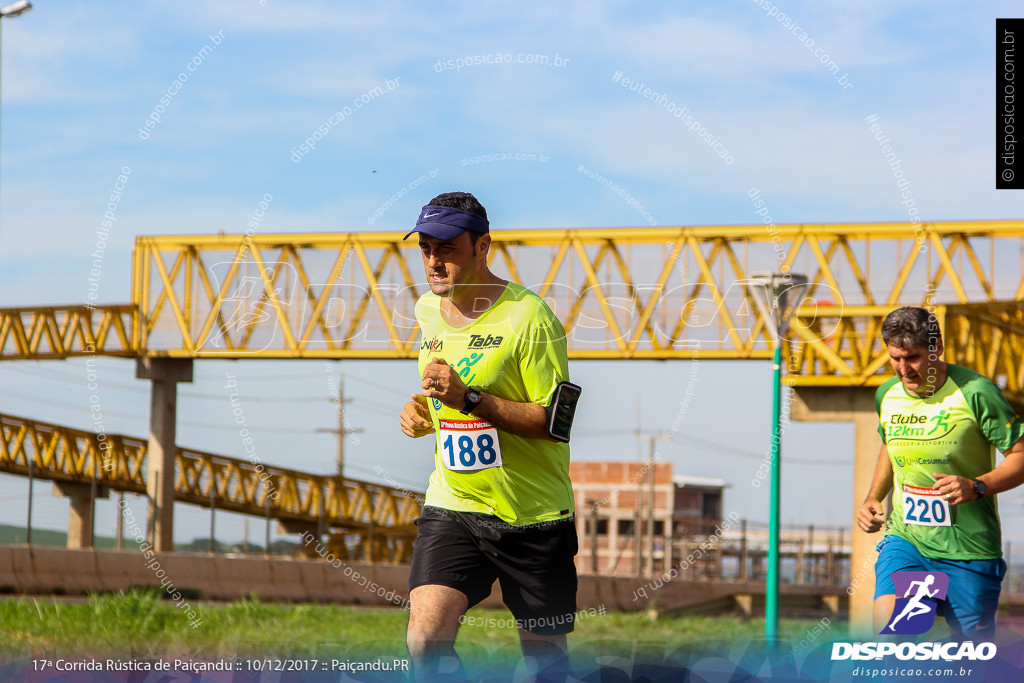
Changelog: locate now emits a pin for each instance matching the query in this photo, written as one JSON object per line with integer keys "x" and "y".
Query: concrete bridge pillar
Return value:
{"x": 856, "y": 405}
{"x": 165, "y": 373}
{"x": 83, "y": 504}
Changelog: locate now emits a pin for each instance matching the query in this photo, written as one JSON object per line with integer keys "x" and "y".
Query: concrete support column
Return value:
{"x": 80, "y": 517}
{"x": 857, "y": 405}
{"x": 165, "y": 373}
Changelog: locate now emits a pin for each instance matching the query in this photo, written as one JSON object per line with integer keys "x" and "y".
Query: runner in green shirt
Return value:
{"x": 939, "y": 423}
{"x": 499, "y": 505}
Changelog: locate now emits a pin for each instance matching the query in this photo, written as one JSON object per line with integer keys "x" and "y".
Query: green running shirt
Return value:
{"x": 950, "y": 432}
{"x": 515, "y": 350}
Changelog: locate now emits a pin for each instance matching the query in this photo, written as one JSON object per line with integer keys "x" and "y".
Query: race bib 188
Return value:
{"x": 469, "y": 445}
{"x": 925, "y": 507}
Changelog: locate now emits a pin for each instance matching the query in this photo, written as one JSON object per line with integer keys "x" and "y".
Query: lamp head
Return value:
{"x": 17, "y": 8}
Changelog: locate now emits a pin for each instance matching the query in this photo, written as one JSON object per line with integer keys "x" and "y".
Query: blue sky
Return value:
{"x": 80, "y": 79}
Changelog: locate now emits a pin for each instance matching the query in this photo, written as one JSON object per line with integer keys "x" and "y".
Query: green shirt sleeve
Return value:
{"x": 996, "y": 418}
{"x": 543, "y": 356}
{"x": 879, "y": 395}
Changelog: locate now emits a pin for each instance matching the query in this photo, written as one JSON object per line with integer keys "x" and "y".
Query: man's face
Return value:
{"x": 918, "y": 367}
{"x": 452, "y": 262}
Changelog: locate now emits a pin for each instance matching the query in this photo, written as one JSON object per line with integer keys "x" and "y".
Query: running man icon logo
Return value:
{"x": 914, "y": 613}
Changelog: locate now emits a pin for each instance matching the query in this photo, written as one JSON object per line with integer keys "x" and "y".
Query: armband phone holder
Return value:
{"x": 562, "y": 411}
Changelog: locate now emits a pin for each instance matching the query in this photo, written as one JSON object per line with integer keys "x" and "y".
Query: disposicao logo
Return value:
{"x": 947, "y": 652}
{"x": 914, "y": 613}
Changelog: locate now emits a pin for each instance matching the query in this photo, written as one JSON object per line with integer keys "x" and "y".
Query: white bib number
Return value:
{"x": 925, "y": 507}
{"x": 469, "y": 445}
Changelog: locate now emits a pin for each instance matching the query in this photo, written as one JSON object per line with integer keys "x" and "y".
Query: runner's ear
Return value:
{"x": 483, "y": 244}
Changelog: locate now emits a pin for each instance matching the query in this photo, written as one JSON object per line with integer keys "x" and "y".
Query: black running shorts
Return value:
{"x": 467, "y": 551}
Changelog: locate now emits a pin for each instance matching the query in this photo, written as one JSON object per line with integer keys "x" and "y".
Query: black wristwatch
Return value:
{"x": 980, "y": 488}
{"x": 473, "y": 399}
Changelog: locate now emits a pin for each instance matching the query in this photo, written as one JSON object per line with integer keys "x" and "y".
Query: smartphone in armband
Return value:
{"x": 562, "y": 411}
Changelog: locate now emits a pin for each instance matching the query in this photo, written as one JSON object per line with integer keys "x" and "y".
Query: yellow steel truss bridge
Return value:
{"x": 366, "y": 521}
{"x": 655, "y": 293}
{"x": 623, "y": 293}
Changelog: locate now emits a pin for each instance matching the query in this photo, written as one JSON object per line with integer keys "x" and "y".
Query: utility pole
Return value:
{"x": 651, "y": 503}
{"x": 638, "y": 564}
{"x": 119, "y": 542}
{"x": 593, "y": 536}
{"x": 650, "y": 510}
{"x": 652, "y": 438}
{"x": 341, "y": 430}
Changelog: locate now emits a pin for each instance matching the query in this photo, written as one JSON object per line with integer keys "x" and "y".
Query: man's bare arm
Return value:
{"x": 872, "y": 513}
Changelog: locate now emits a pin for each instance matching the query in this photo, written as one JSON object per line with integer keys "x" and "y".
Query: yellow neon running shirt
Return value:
{"x": 515, "y": 350}
{"x": 950, "y": 432}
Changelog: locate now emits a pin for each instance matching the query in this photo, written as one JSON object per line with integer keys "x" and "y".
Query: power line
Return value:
{"x": 136, "y": 389}
{"x": 254, "y": 430}
{"x": 51, "y": 402}
{"x": 377, "y": 385}
{"x": 724, "y": 448}
{"x": 145, "y": 417}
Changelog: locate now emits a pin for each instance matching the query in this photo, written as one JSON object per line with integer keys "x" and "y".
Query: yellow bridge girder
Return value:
{"x": 362, "y": 511}
{"x": 621, "y": 293}
{"x": 57, "y": 332}
{"x": 654, "y": 293}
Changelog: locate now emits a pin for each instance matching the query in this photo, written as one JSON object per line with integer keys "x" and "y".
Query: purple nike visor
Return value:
{"x": 445, "y": 223}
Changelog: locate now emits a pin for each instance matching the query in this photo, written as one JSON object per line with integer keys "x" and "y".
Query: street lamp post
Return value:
{"x": 12, "y": 11}
{"x": 778, "y": 297}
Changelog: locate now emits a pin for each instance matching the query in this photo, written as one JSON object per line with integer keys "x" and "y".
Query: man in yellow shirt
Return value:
{"x": 499, "y": 505}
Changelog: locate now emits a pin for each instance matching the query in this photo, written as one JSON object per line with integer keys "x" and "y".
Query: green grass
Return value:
{"x": 140, "y": 625}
